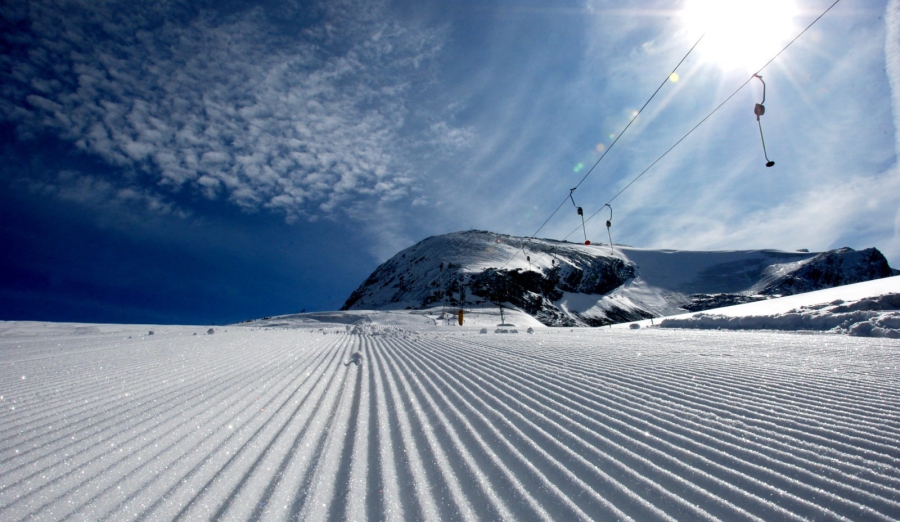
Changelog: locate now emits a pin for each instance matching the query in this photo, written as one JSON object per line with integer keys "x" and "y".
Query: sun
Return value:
{"x": 740, "y": 34}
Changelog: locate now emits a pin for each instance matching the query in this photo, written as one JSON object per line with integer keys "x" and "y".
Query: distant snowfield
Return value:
{"x": 869, "y": 309}
{"x": 431, "y": 421}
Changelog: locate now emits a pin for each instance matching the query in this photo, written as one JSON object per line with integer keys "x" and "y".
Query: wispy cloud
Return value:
{"x": 835, "y": 181}
{"x": 823, "y": 217}
{"x": 892, "y": 60}
{"x": 305, "y": 118}
{"x": 118, "y": 203}
{"x": 892, "y": 66}
{"x": 338, "y": 109}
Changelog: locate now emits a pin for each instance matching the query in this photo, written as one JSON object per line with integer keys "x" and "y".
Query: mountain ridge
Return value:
{"x": 568, "y": 284}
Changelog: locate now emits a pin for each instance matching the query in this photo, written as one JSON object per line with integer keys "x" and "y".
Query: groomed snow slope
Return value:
{"x": 445, "y": 423}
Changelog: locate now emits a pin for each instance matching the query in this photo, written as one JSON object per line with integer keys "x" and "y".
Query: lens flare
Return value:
{"x": 579, "y": 167}
{"x": 674, "y": 77}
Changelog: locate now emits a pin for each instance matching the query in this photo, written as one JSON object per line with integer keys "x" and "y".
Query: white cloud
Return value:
{"x": 112, "y": 201}
{"x": 892, "y": 60}
{"x": 822, "y": 218}
{"x": 835, "y": 182}
{"x": 232, "y": 106}
{"x": 321, "y": 116}
{"x": 892, "y": 67}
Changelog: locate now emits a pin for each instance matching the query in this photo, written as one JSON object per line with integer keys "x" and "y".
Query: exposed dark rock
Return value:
{"x": 700, "y": 302}
{"x": 839, "y": 267}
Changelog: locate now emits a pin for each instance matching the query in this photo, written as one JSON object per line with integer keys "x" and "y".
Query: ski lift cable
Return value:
{"x": 754, "y": 75}
{"x": 701, "y": 122}
{"x": 625, "y": 129}
{"x": 638, "y": 113}
{"x": 508, "y": 261}
{"x": 563, "y": 202}
{"x": 619, "y": 136}
{"x": 664, "y": 154}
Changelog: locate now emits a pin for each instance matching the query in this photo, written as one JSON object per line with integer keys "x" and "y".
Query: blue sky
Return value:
{"x": 207, "y": 162}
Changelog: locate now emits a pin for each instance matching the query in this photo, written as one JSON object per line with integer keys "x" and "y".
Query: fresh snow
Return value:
{"x": 847, "y": 293}
{"x": 406, "y": 416}
{"x": 868, "y": 309}
{"x": 438, "y": 316}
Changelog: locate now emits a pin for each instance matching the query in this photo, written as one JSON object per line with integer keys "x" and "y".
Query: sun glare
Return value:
{"x": 741, "y": 33}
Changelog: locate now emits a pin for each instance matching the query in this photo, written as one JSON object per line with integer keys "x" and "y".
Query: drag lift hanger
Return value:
{"x": 608, "y": 226}
{"x": 580, "y": 213}
{"x": 759, "y": 110}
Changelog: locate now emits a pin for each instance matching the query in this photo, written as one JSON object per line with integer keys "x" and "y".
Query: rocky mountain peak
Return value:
{"x": 568, "y": 284}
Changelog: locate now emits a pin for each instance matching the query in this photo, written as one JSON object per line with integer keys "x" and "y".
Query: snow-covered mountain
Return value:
{"x": 568, "y": 284}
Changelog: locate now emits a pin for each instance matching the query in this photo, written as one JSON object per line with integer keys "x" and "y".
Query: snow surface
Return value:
{"x": 868, "y": 309}
{"x": 438, "y": 316}
{"x": 346, "y": 416}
